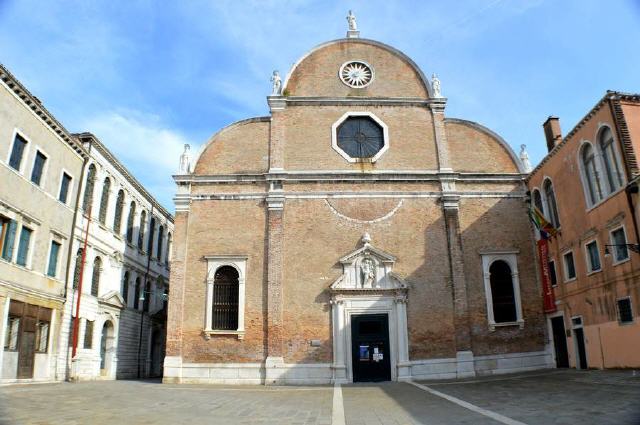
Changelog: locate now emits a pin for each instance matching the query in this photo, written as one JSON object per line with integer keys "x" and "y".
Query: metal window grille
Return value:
{"x": 225, "y": 299}
{"x": 104, "y": 200}
{"x": 95, "y": 278}
{"x": 625, "y": 314}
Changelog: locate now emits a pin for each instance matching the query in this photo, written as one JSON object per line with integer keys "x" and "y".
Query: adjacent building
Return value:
{"x": 587, "y": 187}
{"x": 125, "y": 279}
{"x": 356, "y": 233}
{"x": 71, "y": 212}
{"x": 41, "y": 170}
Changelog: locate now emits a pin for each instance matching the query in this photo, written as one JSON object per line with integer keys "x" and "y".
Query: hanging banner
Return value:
{"x": 547, "y": 290}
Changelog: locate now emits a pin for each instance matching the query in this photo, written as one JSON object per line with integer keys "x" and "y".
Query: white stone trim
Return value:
{"x": 343, "y": 118}
{"x": 214, "y": 262}
{"x": 615, "y": 261}
{"x": 512, "y": 260}
{"x": 355, "y": 220}
{"x": 25, "y": 153}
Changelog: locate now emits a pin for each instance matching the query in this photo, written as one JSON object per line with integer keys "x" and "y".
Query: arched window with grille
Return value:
{"x": 552, "y": 207}
{"x": 95, "y": 278}
{"x": 152, "y": 232}
{"x": 88, "y": 187}
{"x": 613, "y": 173}
{"x": 502, "y": 293}
{"x": 130, "y": 221}
{"x": 590, "y": 174}
{"x": 160, "y": 239}
{"x": 141, "y": 229}
{"x": 117, "y": 218}
{"x": 136, "y": 292}
{"x": 125, "y": 288}
{"x": 77, "y": 269}
{"x": 104, "y": 200}
{"x": 537, "y": 200}
{"x": 225, "y": 299}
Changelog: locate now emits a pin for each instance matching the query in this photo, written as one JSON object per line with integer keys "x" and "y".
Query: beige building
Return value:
{"x": 587, "y": 187}
{"x": 356, "y": 233}
{"x": 41, "y": 167}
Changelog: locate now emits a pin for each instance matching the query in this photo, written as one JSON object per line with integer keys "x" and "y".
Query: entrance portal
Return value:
{"x": 370, "y": 348}
{"x": 560, "y": 342}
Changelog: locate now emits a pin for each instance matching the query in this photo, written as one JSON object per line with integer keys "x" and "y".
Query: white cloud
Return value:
{"x": 149, "y": 149}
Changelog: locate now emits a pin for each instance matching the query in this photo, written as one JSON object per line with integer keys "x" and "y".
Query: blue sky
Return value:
{"x": 148, "y": 76}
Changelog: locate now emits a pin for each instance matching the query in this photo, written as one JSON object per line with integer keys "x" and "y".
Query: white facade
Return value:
{"x": 132, "y": 255}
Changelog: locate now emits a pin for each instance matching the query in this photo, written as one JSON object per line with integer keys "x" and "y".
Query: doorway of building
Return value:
{"x": 106, "y": 348}
{"x": 370, "y": 348}
{"x": 560, "y": 341}
{"x": 582, "y": 353}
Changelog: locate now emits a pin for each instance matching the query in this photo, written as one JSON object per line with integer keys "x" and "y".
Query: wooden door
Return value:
{"x": 27, "y": 350}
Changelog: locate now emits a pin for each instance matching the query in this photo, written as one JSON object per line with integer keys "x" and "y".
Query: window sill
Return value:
{"x": 573, "y": 279}
{"x": 208, "y": 333}
{"x": 592, "y": 272}
{"x": 626, "y": 323}
{"x": 625, "y": 260}
{"x": 493, "y": 326}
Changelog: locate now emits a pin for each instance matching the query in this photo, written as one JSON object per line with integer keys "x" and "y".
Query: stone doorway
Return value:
{"x": 370, "y": 348}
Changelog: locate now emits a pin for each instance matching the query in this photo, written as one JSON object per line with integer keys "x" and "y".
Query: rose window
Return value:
{"x": 360, "y": 137}
{"x": 356, "y": 74}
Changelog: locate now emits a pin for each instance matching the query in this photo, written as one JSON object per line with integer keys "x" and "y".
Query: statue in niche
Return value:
{"x": 351, "y": 18}
{"x": 435, "y": 84}
{"x": 277, "y": 83}
{"x": 524, "y": 157}
{"x": 368, "y": 270}
{"x": 185, "y": 161}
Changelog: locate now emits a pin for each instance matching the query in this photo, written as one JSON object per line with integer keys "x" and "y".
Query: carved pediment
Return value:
{"x": 113, "y": 299}
{"x": 368, "y": 269}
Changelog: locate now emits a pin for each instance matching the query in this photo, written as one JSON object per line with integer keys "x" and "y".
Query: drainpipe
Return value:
{"x": 146, "y": 277}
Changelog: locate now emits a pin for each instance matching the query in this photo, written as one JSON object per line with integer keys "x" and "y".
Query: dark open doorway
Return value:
{"x": 370, "y": 348}
{"x": 560, "y": 342}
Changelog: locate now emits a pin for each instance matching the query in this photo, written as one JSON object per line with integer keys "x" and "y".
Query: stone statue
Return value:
{"x": 435, "y": 84}
{"x": 277, "y": 84}
{"x": 368, "y": 269}
{"x": 524, "y": 157}
{"x": 185, "y": 161}
{"x": 351, "y": 18}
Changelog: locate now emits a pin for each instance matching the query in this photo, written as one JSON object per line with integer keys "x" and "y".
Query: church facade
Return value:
{"x": 356, "y": 233}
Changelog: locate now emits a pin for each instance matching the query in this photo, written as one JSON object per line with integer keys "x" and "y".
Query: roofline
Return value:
{"x": 123, "y": 170}
{"x": 493, "y": 134}
{"x": 609, "y": 95}
{"x": 222, "y": 130}
{"x": 36, "y": 106}
{"x": 403, "y": 56}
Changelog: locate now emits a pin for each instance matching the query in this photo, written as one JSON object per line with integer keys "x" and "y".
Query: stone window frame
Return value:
{"x": 349, "y": 114}
{"x": 511, "y": 258}
{"x": 552, "y": 214}
{"x": 612, "y": 241}
{"x": 587, "y": 257}
{"x": 25, "y": 154}
{"x": 565, "y": 270}
{"x": 69, "y": 198}
{"x": 214, "y": 262}
{"x": 606, "y": 165}
{"x": 45, "y": 166}
{"x": 54, "y": 237}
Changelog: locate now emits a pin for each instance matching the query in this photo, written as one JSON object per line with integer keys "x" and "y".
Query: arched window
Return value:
{"x": 225, "y": 299}
{"x": 95, "y": 278}
{"x": 167, "y": 256}
{"x": 117, "y": 218}
{"x": 552, "y": 208}
{"x": 591, "y": 174}
{"x": 130, "y": 220}
{"x": 502, "y": 292}
{"x": 160, "y": 238}
{"x": 88, "y": 187}
{"x": 138, "y": 288}
{"x": 78, "y": 268}
{"x": 537, "y": 200}
{"x": 147, "y": 296}
{"x": 125, "y": 288}
{"x": 104, "y": 200}
{"x": 610, "y": 159}
{"x": 152, "y": 232}
{"x": 143, "y": 224}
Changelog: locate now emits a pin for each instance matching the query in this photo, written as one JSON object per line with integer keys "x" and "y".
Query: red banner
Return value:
{"x": 547, "y": 290}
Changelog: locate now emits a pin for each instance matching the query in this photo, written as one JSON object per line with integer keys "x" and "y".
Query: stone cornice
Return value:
{"x": 360, "y": 101}
{"x": 94, "y": 142}
{"x": 349, "y": 176}
{"x": 613, "y": 95}
{"x": 38, "y": 108}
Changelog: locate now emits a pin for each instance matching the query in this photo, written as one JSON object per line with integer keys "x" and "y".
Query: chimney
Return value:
{"x": 552, "y": 132}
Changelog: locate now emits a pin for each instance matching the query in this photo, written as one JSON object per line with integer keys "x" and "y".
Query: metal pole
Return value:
{"x": 146, "y": 277}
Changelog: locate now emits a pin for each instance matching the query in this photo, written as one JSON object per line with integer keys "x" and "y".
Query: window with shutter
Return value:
{"x": 117, "y": 218}
{"x": 9, "y": 228}
{"x": 88, "y": 189}
{"x": 143, "y": 224}
{"x": 38, "y": 168}
{"x": 23, "y": 246}
{"x": 88, "y": 334}
{"x": 104, "y": 200}
{"x": 78, "y": 269}
{"x": 64, "y": 188}
{"x": 130, "y": 220}
{"x": 95, "y": 278}
{"x": 53, "y": 259}
{"x": 17, "y": 152}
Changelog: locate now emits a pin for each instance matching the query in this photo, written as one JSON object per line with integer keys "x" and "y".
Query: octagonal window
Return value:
{"x": 360, "y": 136}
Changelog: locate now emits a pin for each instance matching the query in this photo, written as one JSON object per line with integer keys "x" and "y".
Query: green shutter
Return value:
{"x": 23, "y": 246}
{"x": 9, "y": 239}
{"x": 53, "y": 259}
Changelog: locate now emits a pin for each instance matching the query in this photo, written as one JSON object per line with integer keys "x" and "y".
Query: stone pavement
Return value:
{"x": 546, "y": 397}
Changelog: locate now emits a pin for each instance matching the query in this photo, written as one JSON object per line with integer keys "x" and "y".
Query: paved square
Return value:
{"x": 547, "y": 397}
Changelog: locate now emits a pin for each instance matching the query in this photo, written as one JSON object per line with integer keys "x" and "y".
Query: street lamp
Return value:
{"x": 630, "y": 246}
